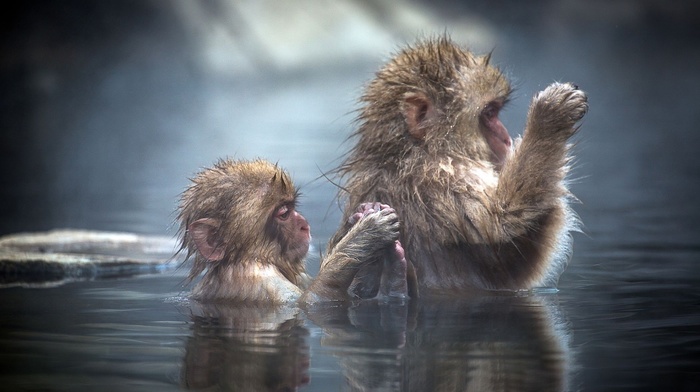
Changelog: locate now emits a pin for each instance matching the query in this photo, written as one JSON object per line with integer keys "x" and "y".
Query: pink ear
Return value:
{"x": 417, "y": 109}
{"x": 202, "y": 232}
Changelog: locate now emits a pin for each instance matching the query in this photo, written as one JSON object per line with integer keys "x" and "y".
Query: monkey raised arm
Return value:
{"x": 530, "y": 183}
{"x": 528, "y": 213}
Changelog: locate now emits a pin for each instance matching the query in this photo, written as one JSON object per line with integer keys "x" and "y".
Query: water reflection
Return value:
{"x": 493, "y": 343}
{"x": 490, "y": 343}
{"x": 245, "y": 349}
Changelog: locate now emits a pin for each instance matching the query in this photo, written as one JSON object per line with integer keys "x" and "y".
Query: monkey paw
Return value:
{"x": 378, "y": 221}
{"x": 559, "y": 107}
{"x": 394, "y": 283}
{"x": 365, "y": 209}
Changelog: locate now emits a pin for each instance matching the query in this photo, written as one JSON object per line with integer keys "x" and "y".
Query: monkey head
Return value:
{"x": 243, "y": 212}
{"x": 435, "y": 100}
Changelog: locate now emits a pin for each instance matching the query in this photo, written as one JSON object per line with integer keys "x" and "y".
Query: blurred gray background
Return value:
{"x": 108, "y": 107}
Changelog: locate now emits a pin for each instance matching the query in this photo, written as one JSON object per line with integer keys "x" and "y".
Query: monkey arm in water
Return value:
{"x": 372, "y": 238}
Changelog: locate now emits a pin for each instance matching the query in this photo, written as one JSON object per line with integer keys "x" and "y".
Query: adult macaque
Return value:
{"x": 239, "y": 219}
{"x": 477, "y": 211}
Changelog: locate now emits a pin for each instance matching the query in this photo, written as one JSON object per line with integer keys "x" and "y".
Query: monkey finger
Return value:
{"x": 367, "y": 206}
{"x": 394, "y": 282}
{"x": 354, "y": 218}
{"x": 366, "y": 209}
{"x": 389, "y": 214}
{"x": 399, "y": 253}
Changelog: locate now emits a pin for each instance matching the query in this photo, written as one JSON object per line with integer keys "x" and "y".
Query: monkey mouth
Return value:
{"x": 303, "y": 247}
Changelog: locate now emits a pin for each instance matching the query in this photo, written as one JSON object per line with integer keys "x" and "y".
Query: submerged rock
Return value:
{"x": 54, "y": 257}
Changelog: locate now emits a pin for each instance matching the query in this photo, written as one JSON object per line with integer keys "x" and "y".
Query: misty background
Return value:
{"x": 107, "y": 108}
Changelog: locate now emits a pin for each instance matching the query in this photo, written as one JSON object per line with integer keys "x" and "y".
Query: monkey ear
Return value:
{"x": 203, "y": 234}
{"x": 417, "y": 109}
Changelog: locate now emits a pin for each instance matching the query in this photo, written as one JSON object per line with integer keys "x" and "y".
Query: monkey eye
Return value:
{"x": 490, "y": 111}
{"x": 283, "y": 213}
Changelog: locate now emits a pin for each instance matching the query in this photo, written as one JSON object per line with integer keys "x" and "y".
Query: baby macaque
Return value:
{"x": 240, "y": 222}
{"x": 477, "y": 211}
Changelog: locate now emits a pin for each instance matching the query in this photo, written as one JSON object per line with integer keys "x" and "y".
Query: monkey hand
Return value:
{"x": 365, "y": 209}
{"x": 375, "y": 225}
{"x": 394, "y": 282}
{"x": 356, "y": 261}
{"x": 555, "y": 111}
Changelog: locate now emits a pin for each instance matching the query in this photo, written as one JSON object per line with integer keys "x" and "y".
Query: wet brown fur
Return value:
{"x": 241, "y": 195}
{"x": 466, "y": 223}
{"x": 261, "y": 262}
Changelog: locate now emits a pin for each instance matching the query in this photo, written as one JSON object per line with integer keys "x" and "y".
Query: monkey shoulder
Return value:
{"x": 263, "y": 284}
{"x": 275, "y": 286}
{"x": 468, "y": 183}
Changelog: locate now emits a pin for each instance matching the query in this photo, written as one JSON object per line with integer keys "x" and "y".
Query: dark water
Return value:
{"x": 143, "y": 334}
{"x": 106, "y": 110}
